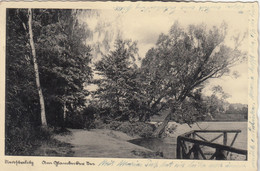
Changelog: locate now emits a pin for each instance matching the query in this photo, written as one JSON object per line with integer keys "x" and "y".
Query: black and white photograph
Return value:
{"x": 130, "y": 81}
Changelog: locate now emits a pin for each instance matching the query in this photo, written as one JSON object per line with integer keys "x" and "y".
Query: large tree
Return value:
{"x": 22, "y": 101}
{"x": 36, "y": 70}
{"x": 117, "y": 87}
{"x": 57, "y": 40}
{"x": 64, "y": 61}
{"x": 181, "y": 62}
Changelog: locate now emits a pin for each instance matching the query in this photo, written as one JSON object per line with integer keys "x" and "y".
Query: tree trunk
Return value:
{"x": 64, "y": 113}
{"x": 36, "y": 70}
{"x": 160, "y": 130}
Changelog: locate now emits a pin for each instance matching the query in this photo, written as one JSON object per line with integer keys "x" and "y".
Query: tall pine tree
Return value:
{"x": 117, "y": 88}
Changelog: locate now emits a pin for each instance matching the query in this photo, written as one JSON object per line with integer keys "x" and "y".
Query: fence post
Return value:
{"x": 225, "y": 138}
{"x": 178, "y": 149}
{"x": 220, "y": 154}
{"x": 196, "y": 151}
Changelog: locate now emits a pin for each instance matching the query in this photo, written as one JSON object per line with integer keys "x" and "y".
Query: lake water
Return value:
{"x": 168, "y": 145}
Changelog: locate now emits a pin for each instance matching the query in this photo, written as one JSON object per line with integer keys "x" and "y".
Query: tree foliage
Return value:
{"x": 63, "y": 59}
{"x": 171, "y": 77}
{"x": 118, "y": 84}
{"x": 182, "y": 61}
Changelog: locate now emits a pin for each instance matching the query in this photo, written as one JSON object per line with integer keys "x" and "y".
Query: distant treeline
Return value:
{"x": 237, "y": 108}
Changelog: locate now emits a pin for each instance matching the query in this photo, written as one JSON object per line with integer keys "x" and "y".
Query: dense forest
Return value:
{"x": 50, "y": 64}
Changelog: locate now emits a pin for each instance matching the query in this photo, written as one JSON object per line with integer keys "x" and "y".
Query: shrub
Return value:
{"x": 76, "y": 121}
{"x": 99, "y": 124}
{"x": 24, "y": 140}
{"x": 114, "y": 125}
{"x": 137, "y": 128}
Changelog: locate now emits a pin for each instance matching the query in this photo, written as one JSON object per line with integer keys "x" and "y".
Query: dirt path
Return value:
{"x": 102, "y": 143}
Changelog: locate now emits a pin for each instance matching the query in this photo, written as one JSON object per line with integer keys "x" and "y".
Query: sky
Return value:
{"x": 145, "y": 27}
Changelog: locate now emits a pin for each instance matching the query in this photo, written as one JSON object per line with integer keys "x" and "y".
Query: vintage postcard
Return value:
{"x": 129, "y": 85}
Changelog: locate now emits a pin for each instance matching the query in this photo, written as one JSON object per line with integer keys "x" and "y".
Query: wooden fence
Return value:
{"x": 192, "y": 145}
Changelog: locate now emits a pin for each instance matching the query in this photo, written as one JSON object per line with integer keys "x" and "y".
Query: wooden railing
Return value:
{"x": 192, "y": 145}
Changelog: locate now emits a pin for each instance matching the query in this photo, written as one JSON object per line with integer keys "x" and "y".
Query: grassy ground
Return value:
{"x": 114, "y": 144}
{"x": 105, "y": 143}
{"x": 54, "y": 147}
{"x": 95, "y": 143}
